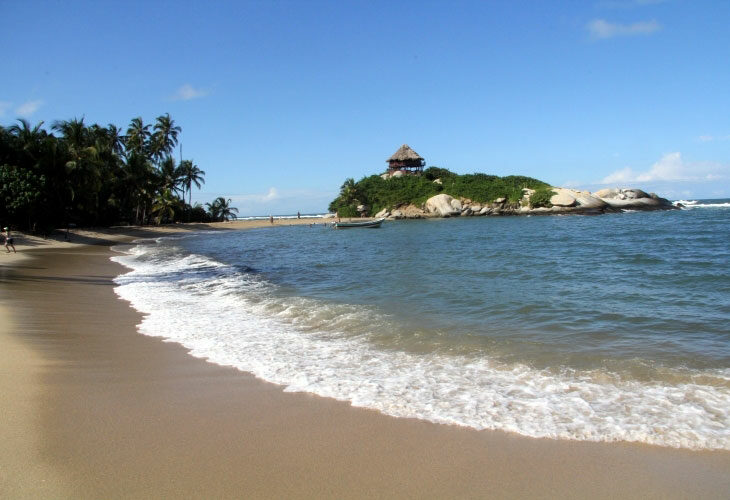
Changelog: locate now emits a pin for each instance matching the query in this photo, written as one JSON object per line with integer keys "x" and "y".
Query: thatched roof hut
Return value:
{"x": 405, "y": 159}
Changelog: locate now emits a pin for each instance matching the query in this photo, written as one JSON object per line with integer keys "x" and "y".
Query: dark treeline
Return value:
{"x": 89, "y": 175}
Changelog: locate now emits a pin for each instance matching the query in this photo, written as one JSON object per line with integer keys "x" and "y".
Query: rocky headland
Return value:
{"x": 563, "y": 201}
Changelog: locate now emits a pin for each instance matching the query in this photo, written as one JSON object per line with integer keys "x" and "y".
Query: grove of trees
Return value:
{"x": 90, "y": 175}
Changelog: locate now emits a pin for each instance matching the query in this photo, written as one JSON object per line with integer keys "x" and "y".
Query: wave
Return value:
{"x": 236, "y": 318}
{"x": 690, "y": 204}
{"x": 279, "y": 217}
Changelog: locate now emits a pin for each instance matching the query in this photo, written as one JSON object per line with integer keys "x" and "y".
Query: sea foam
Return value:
{"x": 237, "y": 319}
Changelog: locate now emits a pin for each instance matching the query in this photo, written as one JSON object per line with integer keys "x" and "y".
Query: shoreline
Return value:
{"x": 106, "y": 411}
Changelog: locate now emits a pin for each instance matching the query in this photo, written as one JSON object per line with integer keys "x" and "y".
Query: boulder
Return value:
{"x": 485, "y": 210}
{"x": 632, "y": 199}
{"x": 563, "y": 198}
{"x": 476, "y": 208}
{"x": 441, "y": 205}
{"x": 383, "y": 213}
{"x": 500, "y": 200}
{"x": 456, "y": 204}
{"x": 588, "y": 201}
{"x": 362, "y": 208}
{"x": 407, "y": 212}
{"x": 437, "y": 181}
{"x": 397, "y": 173}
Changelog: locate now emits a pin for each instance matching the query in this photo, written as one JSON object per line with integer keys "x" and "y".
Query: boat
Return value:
{"x": 368, "y": 223}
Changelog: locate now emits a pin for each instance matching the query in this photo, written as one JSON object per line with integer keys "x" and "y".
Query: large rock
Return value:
{"x": 587, "y": 201}
{"x": 441, "y": 205}
{"x": 383, "y": 213}
{"x": 632, "y": 199}
{"x": 407, "y": 212}
{"x": 456, "y": 204}
{"x": 563, "y": 198}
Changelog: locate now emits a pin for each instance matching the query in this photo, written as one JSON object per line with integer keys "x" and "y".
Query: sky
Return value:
{"x": 281, "y": 101}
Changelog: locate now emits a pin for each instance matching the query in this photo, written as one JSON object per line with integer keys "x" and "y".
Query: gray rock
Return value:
{"x": 441, "y": 205}
{"x": 562, "y": 198}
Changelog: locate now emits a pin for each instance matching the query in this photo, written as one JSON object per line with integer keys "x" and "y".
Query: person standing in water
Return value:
{"x": 9, "y": 242}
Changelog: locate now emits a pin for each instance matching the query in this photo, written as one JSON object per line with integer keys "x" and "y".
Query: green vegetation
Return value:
{"x": 94, "y": 175}
{"x": 541, "y": 197}
{"x": 378, "y": 193}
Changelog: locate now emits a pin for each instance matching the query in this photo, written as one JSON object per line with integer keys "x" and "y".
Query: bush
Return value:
{"x": 433, "y": 173}
{"x": 541, "y": 198}
{"x": 378, "y": 193}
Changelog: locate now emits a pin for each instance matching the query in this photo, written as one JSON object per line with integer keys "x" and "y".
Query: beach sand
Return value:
{"x": 92, "y": 409}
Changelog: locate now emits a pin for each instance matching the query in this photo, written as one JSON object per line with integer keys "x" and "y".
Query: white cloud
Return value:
{"x": 4, "y": 106}
{"x": 188, "y": 92}
{"x": 601, "y": 29}
{"x": 28, "y": 107}
{"x": 710, "y": 138}
{"x": 671, "y": 168}
{"x": 271, "y": 195}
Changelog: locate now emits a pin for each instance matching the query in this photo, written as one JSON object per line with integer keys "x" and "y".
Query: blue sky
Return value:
{"x": 280, "y": 101}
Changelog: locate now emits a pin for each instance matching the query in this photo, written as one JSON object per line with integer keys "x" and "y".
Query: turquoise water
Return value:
{"x": 592, "y": 328}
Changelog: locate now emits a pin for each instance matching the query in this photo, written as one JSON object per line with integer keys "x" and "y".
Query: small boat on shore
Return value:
{"x": 369, "y": 223}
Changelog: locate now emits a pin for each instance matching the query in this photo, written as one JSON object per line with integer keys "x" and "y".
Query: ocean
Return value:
{"x": 598, "y": 328}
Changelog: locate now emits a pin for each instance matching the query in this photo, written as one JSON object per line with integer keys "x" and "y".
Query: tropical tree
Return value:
{"x": 138, "y": 137}
{"x": 348, "y": 191}
{"x": 164, "y": 138}
{"x": 165, "y": 205}
{"x": 190, "y": 174}
{"x": 29, "y": 141}
{"x": 169, "y": 174}
{"x": 220, "y": 209}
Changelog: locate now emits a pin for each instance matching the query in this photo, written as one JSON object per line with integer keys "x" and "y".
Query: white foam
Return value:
{"x": 691, "y": 204}
{"x": 233, "y": 319}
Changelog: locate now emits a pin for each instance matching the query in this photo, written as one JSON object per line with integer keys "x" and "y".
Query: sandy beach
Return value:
{"x": 93, "y": 409}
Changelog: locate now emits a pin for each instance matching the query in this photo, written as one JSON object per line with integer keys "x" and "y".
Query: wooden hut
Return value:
{"x": 406, "y": 160}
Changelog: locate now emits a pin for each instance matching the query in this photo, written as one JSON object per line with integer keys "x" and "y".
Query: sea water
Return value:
{"x": 603, "y": 328}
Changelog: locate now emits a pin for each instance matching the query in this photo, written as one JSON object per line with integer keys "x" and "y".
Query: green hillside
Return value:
{"x": 378, "y": 193}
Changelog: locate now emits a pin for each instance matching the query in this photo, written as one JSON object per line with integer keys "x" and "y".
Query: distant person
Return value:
{"x": 9, "y": 242}
{"x": 271, "y": 219}
{"x": 299, "y": 216}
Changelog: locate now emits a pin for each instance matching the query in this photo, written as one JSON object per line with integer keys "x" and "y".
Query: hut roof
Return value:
{"x": 405, "y": 153}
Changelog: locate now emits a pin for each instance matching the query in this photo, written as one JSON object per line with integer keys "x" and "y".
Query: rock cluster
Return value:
{"x": 563, "y": 201}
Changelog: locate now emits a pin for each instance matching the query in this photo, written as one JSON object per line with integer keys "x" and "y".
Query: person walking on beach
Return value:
{"x": 8, "y": 240}
{"x": 271, "y": 219}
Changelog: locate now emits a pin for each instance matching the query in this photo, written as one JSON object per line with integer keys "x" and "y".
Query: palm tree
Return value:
{"x": 190, "y": 174}
{"x": 220, "y": 209}
{"x": 164, "y": 138}
{"x": 138, "y": 137}
{"x": 29, "y": 138}
{"x": 348, "y": 191}
{"x": 164, "y": 206}
{"x": 115, "y": 138}
{"x": 169, "y": 175}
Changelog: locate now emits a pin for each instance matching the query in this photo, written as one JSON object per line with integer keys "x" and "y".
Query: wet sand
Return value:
{"x": 96, "y": 410}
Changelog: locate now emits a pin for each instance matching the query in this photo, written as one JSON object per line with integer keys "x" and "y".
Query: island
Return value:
{"x": 408, "y": 191}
